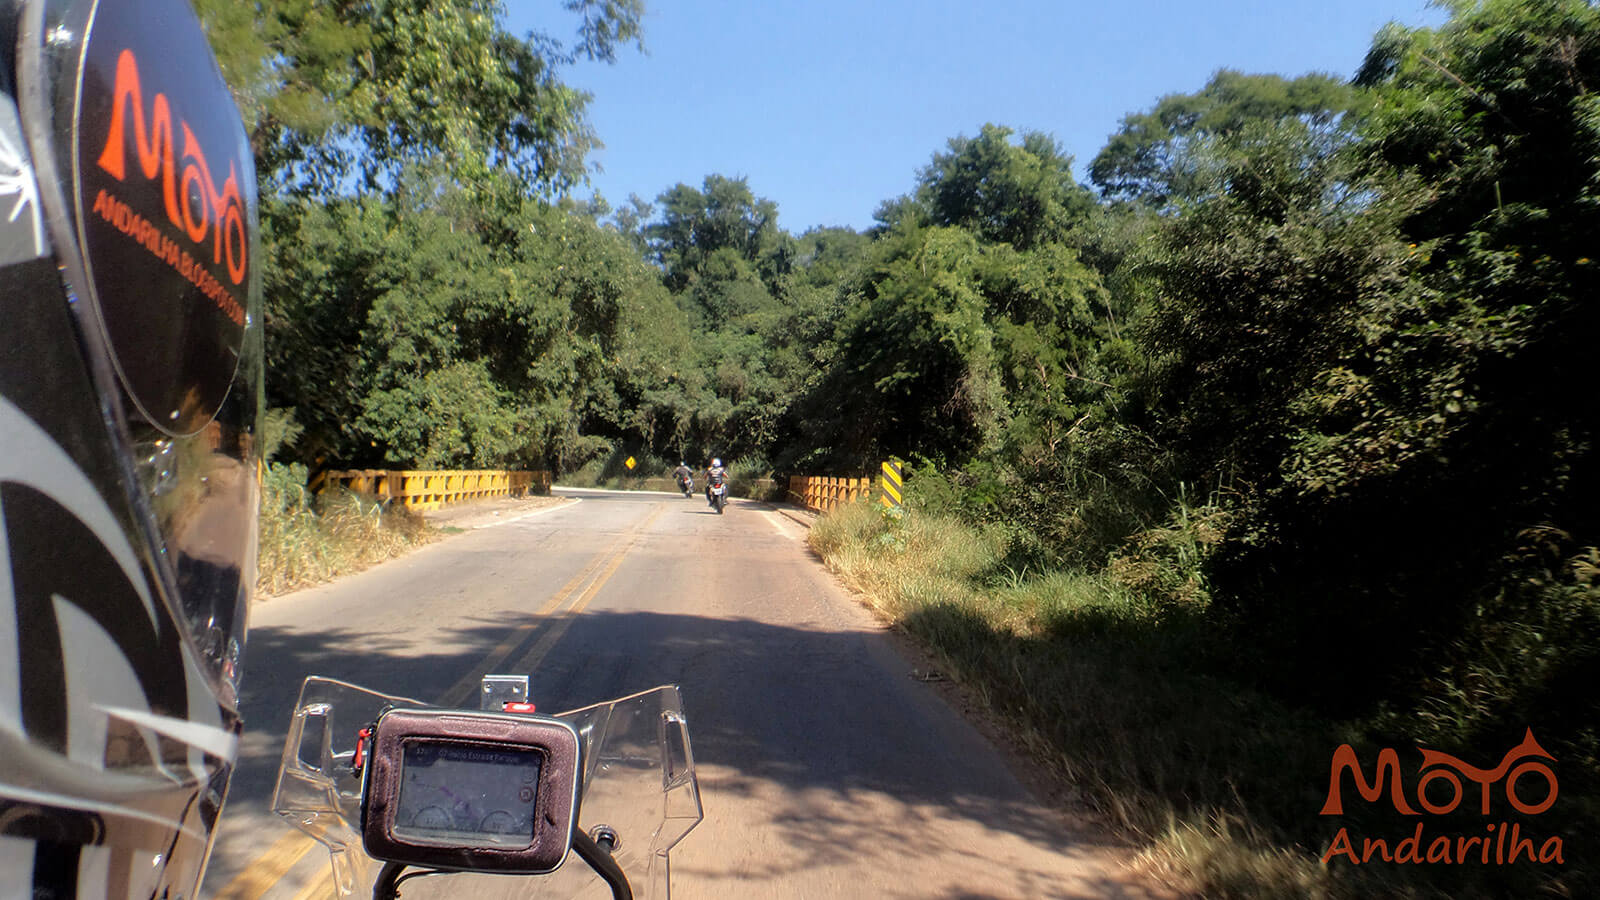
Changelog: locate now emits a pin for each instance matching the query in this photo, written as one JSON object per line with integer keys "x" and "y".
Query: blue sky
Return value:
{"x": 830, "y": 107}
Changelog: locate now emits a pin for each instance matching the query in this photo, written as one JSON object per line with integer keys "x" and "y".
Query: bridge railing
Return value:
{"x": 823, "y": 494}
{"x": 421, "y": 490}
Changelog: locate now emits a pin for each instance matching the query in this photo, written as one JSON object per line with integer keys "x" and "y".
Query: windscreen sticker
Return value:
{"x": 166, "y": 198}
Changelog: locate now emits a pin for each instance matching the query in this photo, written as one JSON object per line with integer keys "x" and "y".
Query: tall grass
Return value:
{"x": 308, "y": 540}
{"x": 1113, "y": 679}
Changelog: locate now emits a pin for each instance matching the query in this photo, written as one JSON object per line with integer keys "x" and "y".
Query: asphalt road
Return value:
{"x": 826, "y": 770}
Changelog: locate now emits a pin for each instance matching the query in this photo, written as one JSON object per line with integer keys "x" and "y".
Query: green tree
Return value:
{"x": 342, "y": 95}
{"x": 420, "y": 343}
{"x": 421, "y": 308}
{"x": 1255, "y": 288}
{"x": 1022, "y": 194}
{"x": 972, "y": 327}
{"x": 1150, "y": 160}
{"x": 1371, "y": 342}
{"x": 916, "y": 371}
{"x": 318, "y": 295}
{"x": 632, "y": 220}
{"x": 697, "y": 225}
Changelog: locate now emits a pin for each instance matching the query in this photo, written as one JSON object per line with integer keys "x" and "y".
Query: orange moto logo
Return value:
{"x": 1443, "y": 768}
{"x": 205, "y": 211}
{"x": 1522, "y": 781}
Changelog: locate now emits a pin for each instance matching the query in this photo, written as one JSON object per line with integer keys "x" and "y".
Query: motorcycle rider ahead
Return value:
{"x": 684, "y": 476}
{"x": 714, "y": 474}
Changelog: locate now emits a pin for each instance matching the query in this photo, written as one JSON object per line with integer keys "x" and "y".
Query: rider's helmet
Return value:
{"x": 716, "y": 463}
{"x": 130, "y": 378}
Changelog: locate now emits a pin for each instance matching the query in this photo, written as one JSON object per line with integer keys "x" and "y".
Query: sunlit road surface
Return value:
{"x": 826, "y": 770}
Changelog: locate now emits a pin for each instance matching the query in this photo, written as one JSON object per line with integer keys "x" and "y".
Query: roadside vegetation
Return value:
{"x": 1110, "y": 688}
{"x": 1130, "y": 695}
{"x": 307, "y": 539}
{"x": 1279, "y": 434}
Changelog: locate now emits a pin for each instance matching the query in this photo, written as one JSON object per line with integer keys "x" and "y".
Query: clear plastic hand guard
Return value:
{"x": 638, "y": 782}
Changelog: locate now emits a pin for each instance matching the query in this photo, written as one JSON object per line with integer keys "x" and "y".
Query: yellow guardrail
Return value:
{"x": 433, "y": 489}
{"x": 823, "y": 494}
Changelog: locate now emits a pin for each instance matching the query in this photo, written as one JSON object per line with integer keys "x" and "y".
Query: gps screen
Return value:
{"x": 464, "y": 794}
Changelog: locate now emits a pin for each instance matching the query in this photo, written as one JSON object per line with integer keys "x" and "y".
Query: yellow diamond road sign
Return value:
{"x": 630, "y": 463}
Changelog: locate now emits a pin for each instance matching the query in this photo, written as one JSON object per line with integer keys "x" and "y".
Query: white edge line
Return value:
{"x": 772, "y": 519}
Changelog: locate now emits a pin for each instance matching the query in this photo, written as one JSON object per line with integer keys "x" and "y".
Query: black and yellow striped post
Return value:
{"x": 891, "y": 482}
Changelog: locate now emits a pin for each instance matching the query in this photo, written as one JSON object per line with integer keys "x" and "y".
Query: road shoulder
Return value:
{"x": 1025, "y": 755}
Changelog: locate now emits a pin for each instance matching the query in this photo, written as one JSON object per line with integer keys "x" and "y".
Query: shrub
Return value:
{"x": 308, "y": 539}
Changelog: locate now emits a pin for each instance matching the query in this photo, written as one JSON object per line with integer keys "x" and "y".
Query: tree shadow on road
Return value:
{"x": 817, "y": 733}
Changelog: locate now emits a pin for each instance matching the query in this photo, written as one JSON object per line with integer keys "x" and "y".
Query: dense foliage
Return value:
{"x": 1309, "y": 367}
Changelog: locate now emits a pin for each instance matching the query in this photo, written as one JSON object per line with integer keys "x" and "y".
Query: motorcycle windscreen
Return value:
{"x": 117, "y": 718}
{"x": 638, "y": 781}
{"x": 158, "y": 235}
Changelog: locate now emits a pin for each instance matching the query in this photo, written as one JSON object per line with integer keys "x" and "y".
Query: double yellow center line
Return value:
{"x": 270, "y": 867}
{"x": 581, "y": 589}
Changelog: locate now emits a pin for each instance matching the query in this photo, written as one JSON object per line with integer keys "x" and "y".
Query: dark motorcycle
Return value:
{"x": 718, "y": 491}
{"x": 686, "y": 484}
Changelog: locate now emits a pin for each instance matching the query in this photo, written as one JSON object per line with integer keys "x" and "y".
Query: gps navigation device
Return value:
{"x": 480, "y": 791}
